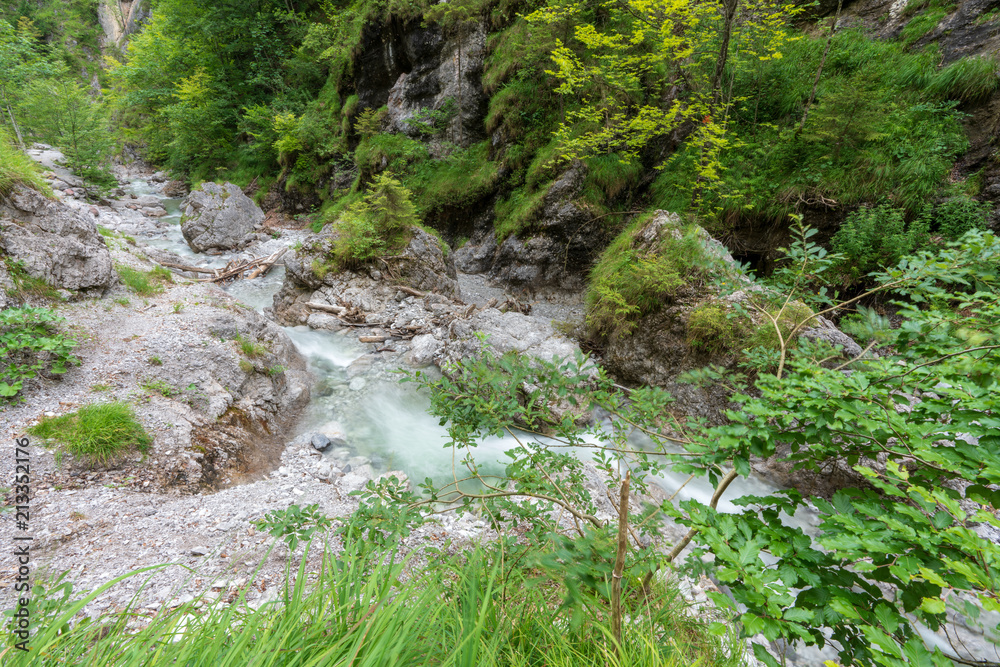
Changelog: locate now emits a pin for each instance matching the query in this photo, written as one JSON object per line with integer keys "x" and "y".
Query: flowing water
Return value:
{"x": 387, "y": 421}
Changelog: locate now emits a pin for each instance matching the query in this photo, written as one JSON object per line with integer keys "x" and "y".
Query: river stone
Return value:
{"x": 54, "y": 242}
{"x": 218, "y": 217}
{"x": 175, "y": 189}
{"x": 827, "y": 331}
{"x": 148, "y": 200}
{"x": 423, "y": 350}
{"x": 153, "y": 212}
{"x": 320, "y": 442}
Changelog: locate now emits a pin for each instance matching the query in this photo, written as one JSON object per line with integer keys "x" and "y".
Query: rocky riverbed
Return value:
{"x": 229, "y": 444}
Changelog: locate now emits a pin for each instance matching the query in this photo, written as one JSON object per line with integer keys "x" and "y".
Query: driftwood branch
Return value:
{"x": 256, "y": 266}
{"x": 326, "y": 308}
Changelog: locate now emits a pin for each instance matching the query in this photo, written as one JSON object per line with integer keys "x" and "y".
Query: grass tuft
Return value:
{"x": 98, "y": 433}
{"x": 251, "y": 348}
{"x": 144, "y": 283}
{"x": 16, "y": 168}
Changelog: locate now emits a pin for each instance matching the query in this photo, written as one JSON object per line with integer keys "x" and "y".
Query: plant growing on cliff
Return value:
{"x": 913, "y": 432}
{"x": 30, "y": 344}
{"x": 380, "y": 222}
{"x": 635, "y": 276}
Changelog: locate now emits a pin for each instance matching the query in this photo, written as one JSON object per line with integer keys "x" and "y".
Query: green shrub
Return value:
{"x": 865, "y": 325}
{"x": 953, "y": 217}
{"x": 630, "y": 281}
{"x": 30, "y": 344}
{"x": 388, "y": 152}
{"x": 381, "y": 221}
{"x": 97, "y": 433}
{"x": 876, "y": 237}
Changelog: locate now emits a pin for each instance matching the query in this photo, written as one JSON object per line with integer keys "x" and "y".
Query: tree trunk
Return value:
{"x": 822, "y": 62}
{"x": 729, "y": 7}
{"x": 616, "y": 575}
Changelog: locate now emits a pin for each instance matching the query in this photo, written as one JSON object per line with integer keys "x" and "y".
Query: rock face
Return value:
{"x": 175, "y": 189}
{"x": 827, "y": 331}
{"x": 218, "y": 217}
{"x": 558, "y": 253}
{"x": 54, "y": 242}
{"x": 225, "y": 407}
{"x": 121, "y": 18}
{"x": 411, "y": 69}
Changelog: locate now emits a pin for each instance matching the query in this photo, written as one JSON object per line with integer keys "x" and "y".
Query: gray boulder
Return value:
{"x": 54, "y": 242}
{"x": 218, "y": 217}
{"x": 827, "y": 331}
{"x": 422, "y": 265}
{"x": 320, "y": 442}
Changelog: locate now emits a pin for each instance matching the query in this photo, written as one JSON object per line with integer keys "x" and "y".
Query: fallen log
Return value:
{"x": 264, "y": 268}
{"x": 184, "y": 267}
{"x": 237, "y": 267}
{"x": 336, "y": 310}
{"x": 412, "y": 292}
{"x": 372, "y": 339}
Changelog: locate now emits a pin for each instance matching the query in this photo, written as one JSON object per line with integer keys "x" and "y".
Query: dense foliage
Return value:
{"x": 740, "y": 119}
{"x": 903, "y": 530}
{"x": 41, "y": 91}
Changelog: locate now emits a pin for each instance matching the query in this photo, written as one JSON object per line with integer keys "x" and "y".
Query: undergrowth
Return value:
{"x": 462, "y": 611}
{"x": 16, "y": 168}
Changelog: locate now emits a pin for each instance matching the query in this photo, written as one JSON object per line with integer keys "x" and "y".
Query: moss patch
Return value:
{"x": 632, "y": 280}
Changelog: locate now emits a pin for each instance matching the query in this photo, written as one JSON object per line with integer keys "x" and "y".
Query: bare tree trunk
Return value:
{"x": 729, "y": 7}
{"x": 17, "y": 130}
{"x": 822, "y": 62}
{"x": 616, "y": 575}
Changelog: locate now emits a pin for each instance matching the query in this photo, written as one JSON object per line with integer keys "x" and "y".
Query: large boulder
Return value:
{"x": 54, "y": 242}
{"x": 218, "y": 217}
{"x": 372, "y": 290}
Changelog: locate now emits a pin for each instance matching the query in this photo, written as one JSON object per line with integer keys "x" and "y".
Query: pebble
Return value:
{"x": 199, "y": 551}
{"x": 320, "y": 442}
